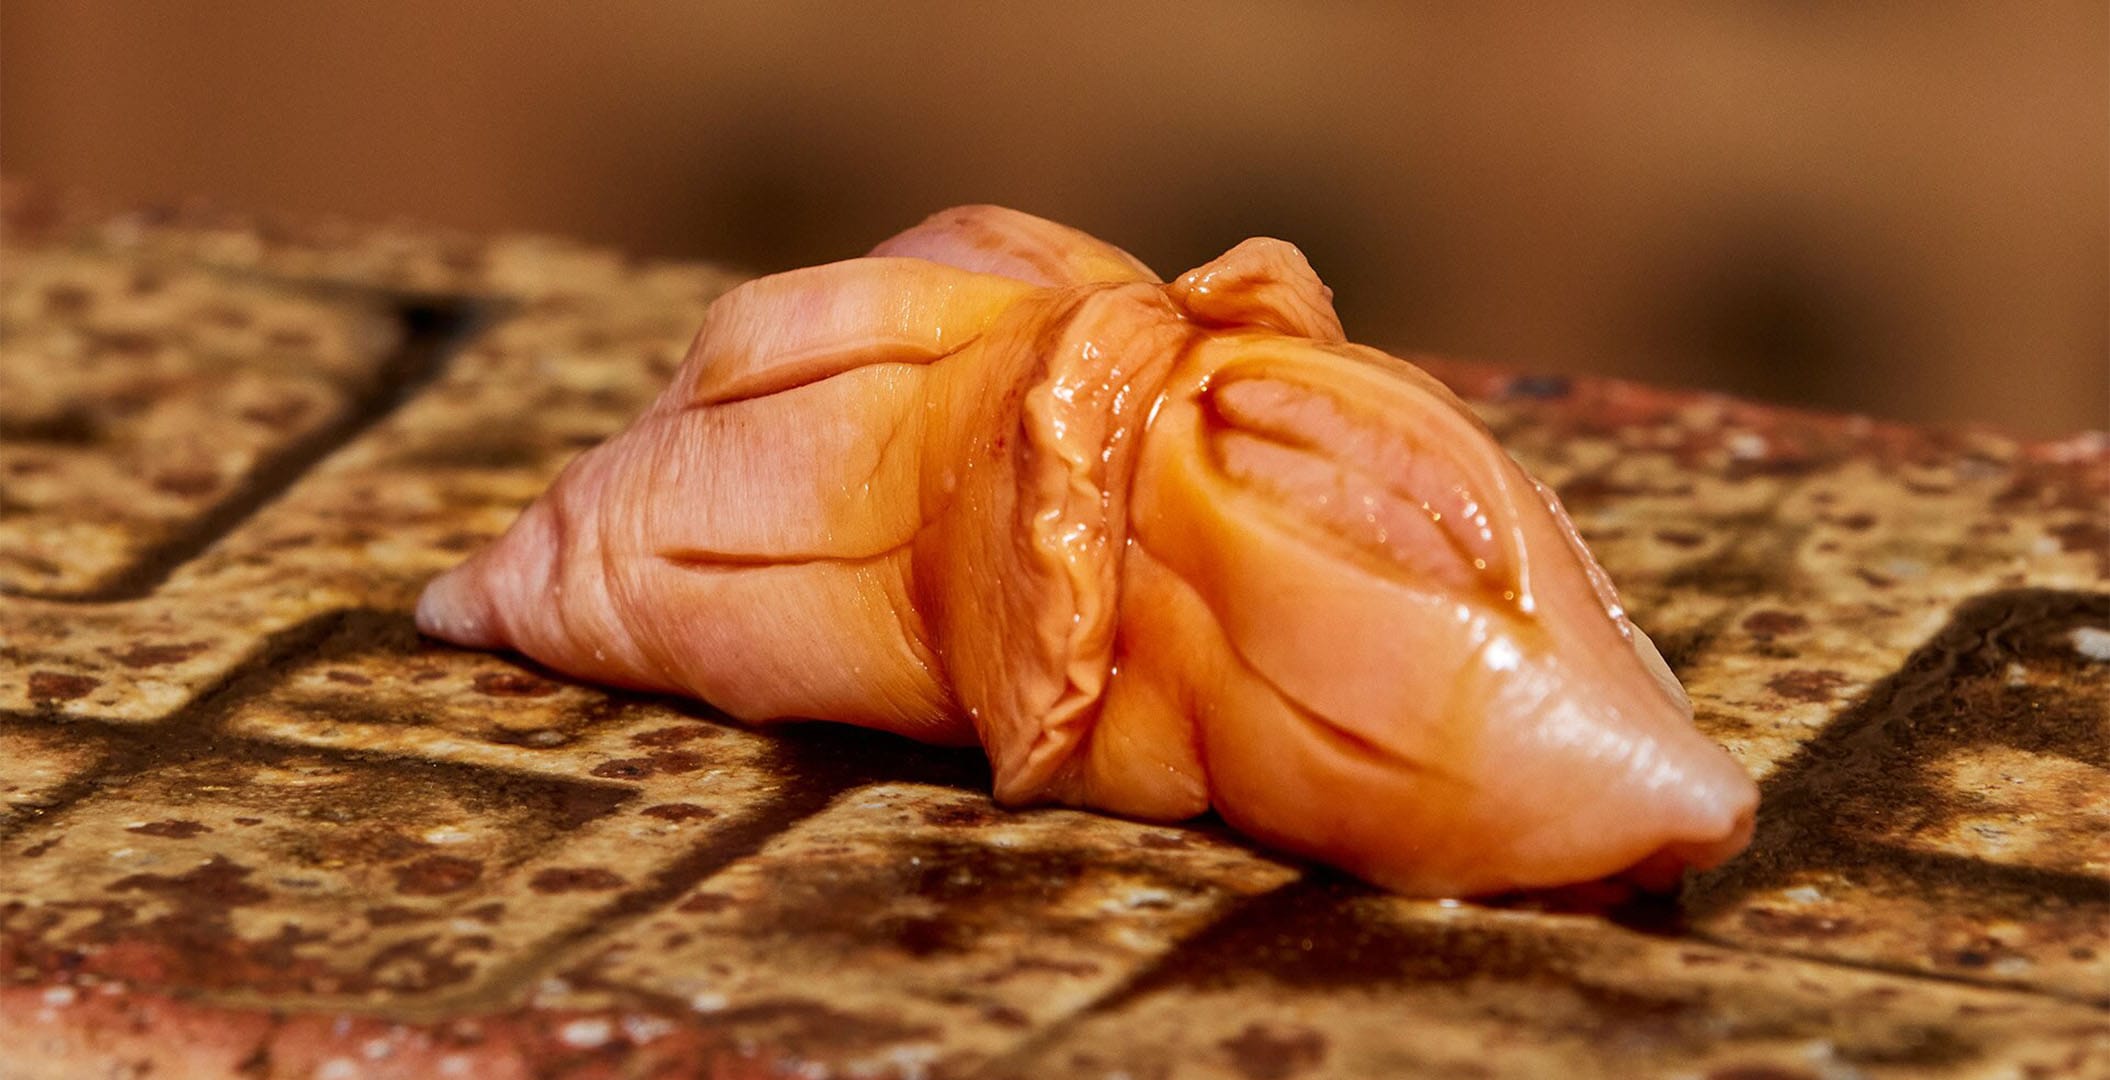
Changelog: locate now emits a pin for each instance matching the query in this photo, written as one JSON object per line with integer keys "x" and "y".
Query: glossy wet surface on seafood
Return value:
{"x": 1159, "y": 549}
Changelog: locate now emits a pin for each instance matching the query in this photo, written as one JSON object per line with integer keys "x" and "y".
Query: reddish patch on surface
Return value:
{"x": 173, "y": 1036}
{"x": 624, "y": 769}
{"x": 679, "y": 811}
{"x": 1758, "y": 1072}
{"x": 676, "y": 761}
{"x": 958, "y": 814}
{"x": 1772, "y": 624}
{"x": 563, "y": 879}
{"x": 513, "y": 684}
{"x": 396, "y": 915}
{"x": 66, "y": 298}
{"x": 219, "y": 883}
{"x": 1808, "y": 685}
{"x": 2083, "y": 537}
{"x": 146, "y": 656}
{"x": 668, "y": 761}
{"x": 171, "y": 829}
{"x": 672, "y": 736}
{"x": 438, "y": 875}
{"x": 189, "y": 483}
{"x": 59, "y": 686}
{"x": 1265, "y": 1052}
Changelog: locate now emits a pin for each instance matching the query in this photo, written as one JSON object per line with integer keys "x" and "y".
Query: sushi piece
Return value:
{"x": 1157, "y": 548}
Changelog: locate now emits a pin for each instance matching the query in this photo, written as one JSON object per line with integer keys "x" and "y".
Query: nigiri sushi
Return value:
{"x": 1158, "y": 548}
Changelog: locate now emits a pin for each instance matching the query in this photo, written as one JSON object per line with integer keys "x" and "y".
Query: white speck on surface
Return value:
{"x": 1147, "y": 898}
{"x": 376, "y": 1049}
{"x": 338, "y": 1069}
{"x": 2092, "y": 642}
{"x": 1746, "y": 445}
{"x": 586, "y": 1034}
{"x": 2017, "y": 675}
{"x": 59, "y": 996}
{"x": 454, "y": 1065}
{"x": 1804, "y": 894}
{"x": 445, "y": 835}
{"x": 706, "y": 1001}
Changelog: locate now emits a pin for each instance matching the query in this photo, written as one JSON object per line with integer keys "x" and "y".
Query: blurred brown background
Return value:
{"x": 1899, "y": 209}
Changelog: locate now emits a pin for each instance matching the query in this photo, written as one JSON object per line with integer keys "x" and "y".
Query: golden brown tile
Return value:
{"x": 912, "y": 928}
{"x": 138, "y": 402}
{"x": 251, "y": 824}
{"x": 1326, "y": 980}
{"x": 37, "y": 765}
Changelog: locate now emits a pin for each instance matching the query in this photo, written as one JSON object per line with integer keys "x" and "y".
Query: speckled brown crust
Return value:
{"x": 139, "y": 402}
{"x": 252, "y": 825}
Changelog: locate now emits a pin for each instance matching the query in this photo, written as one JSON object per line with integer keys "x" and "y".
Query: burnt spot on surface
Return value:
{"x": 74, "y": 425}
{"x": 1267, "y": 1052}
{"x": 51, "y": 686}
{"x": 174, "y": 829}
{"x": 673, "y": 736}
{"x": 218, "y": 883}
{"x": 514, "y": 684}
{"x": 1808, "y": 685}
{"x": 397, "y": 915}
{"x": 419, "y": 964}
{"x": 963, "y": 814}
{"x": 1759, "y": 1072}
{"x": 679, "y": 811}
{"x": 1772, "y": 624}
{"x": 659, "y": 763}
{"x": 563, "y": 879}
{"x": 624, "y": 769}
{"x": 146, "y": 655}
{"x": 438, "y": 875}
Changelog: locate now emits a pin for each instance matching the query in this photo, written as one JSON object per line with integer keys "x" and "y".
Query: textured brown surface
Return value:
{"x": 251, "y": 824}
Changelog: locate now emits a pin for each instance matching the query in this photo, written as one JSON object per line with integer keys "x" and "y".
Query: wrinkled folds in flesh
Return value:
{"x": 1158, "y": 548}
